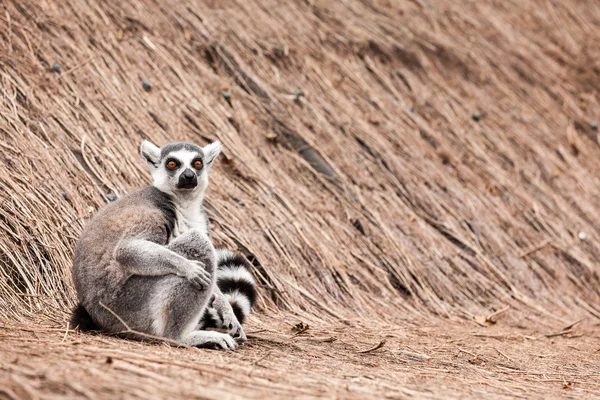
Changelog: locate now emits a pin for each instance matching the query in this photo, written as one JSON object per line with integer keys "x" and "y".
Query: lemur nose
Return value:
{"x": 188, "y": 175}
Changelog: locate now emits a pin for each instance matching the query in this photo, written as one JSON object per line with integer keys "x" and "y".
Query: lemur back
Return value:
{"x": 147, "y": 213}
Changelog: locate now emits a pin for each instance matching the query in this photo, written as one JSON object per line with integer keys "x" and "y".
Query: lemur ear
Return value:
{"x": 211, "y": 151}
{"x": 151, "y": 153}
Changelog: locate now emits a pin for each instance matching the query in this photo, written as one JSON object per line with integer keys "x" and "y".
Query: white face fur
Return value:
{"x": 180, "y": 169}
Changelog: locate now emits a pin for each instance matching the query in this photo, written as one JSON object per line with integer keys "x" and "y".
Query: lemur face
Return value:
{"x": 180, "y": 167}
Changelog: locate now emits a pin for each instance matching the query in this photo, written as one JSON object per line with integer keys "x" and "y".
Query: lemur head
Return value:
{"x": 180, "y": 169}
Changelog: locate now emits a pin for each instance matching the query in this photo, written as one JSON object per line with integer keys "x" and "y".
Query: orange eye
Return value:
{"x": 171, "y": 164}
{"x": 197, "y": 164}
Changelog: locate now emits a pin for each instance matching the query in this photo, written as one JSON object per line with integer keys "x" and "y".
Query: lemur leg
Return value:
{"x": 166, "y": 306}
{"x": 181, "y": 312}
{"x": 169, "y": 305}
{"x": 194, "y": 245}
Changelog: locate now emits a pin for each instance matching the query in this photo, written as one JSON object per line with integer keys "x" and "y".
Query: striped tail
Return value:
{"x": 237, "y": 285}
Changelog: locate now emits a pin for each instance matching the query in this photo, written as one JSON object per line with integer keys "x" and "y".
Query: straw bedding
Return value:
{"x": 415, "y": 184}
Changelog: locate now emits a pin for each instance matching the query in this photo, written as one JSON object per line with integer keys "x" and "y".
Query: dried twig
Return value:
{"x": 142, "y": 334}
{"x": 66, "y": 333}
{"x": 496, "y": 313}
{"x": 533, "y": 249}
{"x": 372, "y": 349}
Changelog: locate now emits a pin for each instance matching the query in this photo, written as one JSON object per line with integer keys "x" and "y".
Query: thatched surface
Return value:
{"x": 326, "y": 362}
{"x": 371, "y": 202}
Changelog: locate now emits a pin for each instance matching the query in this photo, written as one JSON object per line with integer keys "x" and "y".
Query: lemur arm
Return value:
{"x": 146, "y": 258}
{"x": 195, "y": 245}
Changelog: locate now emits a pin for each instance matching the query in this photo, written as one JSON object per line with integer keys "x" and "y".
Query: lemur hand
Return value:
{"x": 196, "y": 273}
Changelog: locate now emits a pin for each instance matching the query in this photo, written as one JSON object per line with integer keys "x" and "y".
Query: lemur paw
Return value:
{"x": 207, "y": 339}
{"x": 196, "y": 273}
{"x": 222, "y": 313}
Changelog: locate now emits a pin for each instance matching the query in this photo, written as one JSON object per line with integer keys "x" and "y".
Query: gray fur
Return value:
{"x": 148, "y": 259}
{"x": 145, "y": 258}
{"x": 173, "y": 147}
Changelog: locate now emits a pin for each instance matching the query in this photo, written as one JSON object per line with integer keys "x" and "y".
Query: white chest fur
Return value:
{"x": 189, "y": 217}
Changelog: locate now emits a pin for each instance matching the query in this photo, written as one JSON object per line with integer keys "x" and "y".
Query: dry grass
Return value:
{"x": 326, "y": 362}
{"x": 374, "y": 197}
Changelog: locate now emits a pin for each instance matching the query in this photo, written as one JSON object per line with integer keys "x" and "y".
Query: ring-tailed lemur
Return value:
{"x": 147, "y": 261}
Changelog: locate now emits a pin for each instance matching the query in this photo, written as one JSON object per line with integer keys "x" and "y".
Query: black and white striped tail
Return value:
{"x": 237, "y": 285}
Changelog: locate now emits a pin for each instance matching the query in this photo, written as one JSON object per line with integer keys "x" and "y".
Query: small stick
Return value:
{"x": 115, "y": 315}
{"x": 571, "y": 326}
{"x": 467, "y": 352}
{"x": 376, "y": 347}
{"x": 492, "y": 315}
{"x": 534, "y": 248}
{"x": 567, "y": 331}
{"x": 505, "y": 356}
{"x": 304, "y": 329}
{"x": 66, "y": 333}
{"x": 129, "y": 330}
{"x": 258, "y": 331}
{"x": 79, "y": 65}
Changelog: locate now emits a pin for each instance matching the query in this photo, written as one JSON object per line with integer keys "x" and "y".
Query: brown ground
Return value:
{"x": 394, "y": 170}
{"x": 427, "y": 361}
